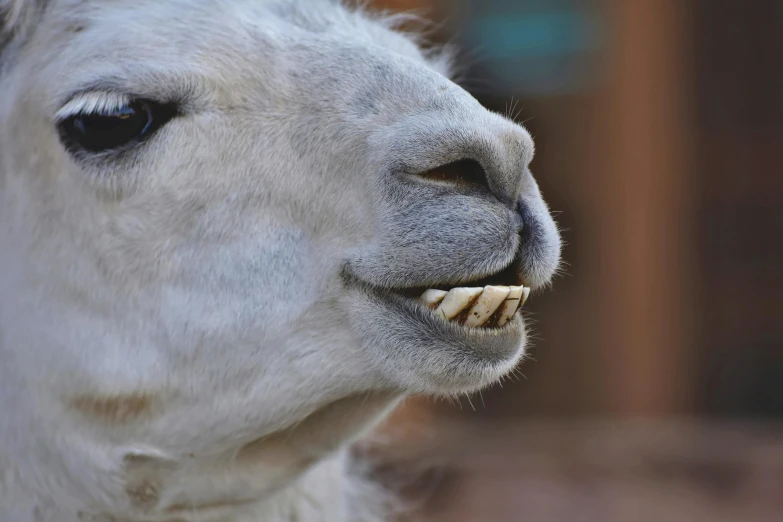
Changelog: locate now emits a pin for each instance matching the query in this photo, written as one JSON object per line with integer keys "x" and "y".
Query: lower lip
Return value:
{"x": 419, "y": 351}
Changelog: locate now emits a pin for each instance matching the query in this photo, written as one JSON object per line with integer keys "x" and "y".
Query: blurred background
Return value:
{"x": 654, "y": 391}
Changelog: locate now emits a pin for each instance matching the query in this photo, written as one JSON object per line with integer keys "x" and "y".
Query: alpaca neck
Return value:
{"x": 328, "y": 492}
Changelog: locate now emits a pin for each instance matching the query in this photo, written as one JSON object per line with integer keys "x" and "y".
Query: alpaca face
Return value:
{"x": 216, "y": 217}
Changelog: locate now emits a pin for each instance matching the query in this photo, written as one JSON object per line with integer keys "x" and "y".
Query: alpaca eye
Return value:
{"x": 114, "y": 129}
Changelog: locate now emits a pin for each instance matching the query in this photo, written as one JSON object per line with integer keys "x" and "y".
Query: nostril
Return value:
{"x": 519, "y": 221}
{"x": 524, "y": 219}
{"x": 463, "y": 173}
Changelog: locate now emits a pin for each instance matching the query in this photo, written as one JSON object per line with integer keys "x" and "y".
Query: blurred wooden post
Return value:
{"x": 642, "y": 201}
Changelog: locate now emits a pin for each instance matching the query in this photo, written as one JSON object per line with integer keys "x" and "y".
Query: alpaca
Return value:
{"x": 216, "y": 220}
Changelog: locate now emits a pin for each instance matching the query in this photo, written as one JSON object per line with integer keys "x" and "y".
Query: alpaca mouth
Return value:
{"x": 489, "y": 302}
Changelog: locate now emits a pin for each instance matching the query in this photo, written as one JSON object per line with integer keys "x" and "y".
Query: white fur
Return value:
{"x": 92, "y": 102}
{"x": 204, "y": 320}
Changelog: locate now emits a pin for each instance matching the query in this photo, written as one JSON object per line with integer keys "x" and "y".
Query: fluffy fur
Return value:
{"x": 195, "y": 329}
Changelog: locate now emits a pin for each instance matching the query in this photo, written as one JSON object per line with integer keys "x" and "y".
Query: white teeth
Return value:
{"x": 511, "y": 304}
{"x": 489, "y": 306}
{"x": 486, "y": 304}
{"x": 432, "y": 297}
{"x": 525, "y": 293}
{"x": 456, "y": 300}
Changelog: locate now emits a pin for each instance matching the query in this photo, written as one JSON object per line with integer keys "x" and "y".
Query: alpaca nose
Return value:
{"x": 466, "y": 173}
{"x": 483, "y": 152}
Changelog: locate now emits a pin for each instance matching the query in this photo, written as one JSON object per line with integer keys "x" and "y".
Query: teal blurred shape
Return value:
{"x": 527, "y": 49}
{"x": 541, "y": 34}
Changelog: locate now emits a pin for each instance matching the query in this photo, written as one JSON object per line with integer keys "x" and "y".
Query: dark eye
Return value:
{"x": 115, "y": 129}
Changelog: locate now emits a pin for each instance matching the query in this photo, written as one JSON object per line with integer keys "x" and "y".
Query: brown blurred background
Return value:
{"x": 656, "y": 389}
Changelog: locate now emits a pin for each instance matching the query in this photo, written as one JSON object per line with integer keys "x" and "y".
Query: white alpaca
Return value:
{"x": 214, "y": 219}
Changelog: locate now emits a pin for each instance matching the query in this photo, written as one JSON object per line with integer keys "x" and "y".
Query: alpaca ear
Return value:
{"x": 17, "y": 19}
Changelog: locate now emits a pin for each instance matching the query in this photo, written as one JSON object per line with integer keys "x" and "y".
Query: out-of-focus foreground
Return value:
{"x": 656, "y": 386}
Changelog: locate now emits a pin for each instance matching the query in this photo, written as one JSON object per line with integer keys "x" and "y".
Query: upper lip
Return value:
{"x": 508, "y": 276}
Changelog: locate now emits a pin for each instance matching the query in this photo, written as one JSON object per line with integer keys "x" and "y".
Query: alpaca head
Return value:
{"x": 215, "y": 219}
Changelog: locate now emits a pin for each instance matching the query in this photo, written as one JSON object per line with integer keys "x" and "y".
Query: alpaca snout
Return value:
{"x": 479, "y": 162}
{"x": 467, "y": 148}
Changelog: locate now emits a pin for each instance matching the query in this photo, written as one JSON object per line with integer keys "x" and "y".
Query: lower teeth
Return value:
{"x": 488, "y": 306}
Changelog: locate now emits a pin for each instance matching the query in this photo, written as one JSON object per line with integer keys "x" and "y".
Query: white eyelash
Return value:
{"x": 92, "y": 103}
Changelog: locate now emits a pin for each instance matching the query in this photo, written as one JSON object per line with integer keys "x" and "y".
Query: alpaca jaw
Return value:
{"x": 446, "y": 337}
